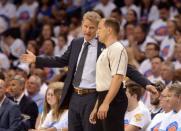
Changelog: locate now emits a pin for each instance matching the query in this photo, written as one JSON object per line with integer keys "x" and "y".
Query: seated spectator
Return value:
{"x": 45, "y": 10}
{"x": 46, "y": 34}
{"x": 48, "y": 48}
{"x": 28, "y": 108}
{"x": 4, "y": 62}
{"x": 137, "y": 116}
{"x": 7, "y": 9}
{"x": 148, "y": 11}
{"x": 177, "y": 75}
{"x": 167, "y": 46}
{"x": 26, "y": 11}
{"x": 155, "y": 101}
{"x": 173, "y": 121}
{"x": 33, "y": 46}
{"x": 53, "y": 117}
{"x": 129, "y": 4}
{"x": 132, "y": 17}
{"x": 61, "y": 46}
{"x": 156, "y": 63}
{"x": 106, "y": 6}
{"x": 10, "y": 115}
{"x": 152, "y": 50}
{"x": 128, "y": 35}
{"x": 23, "y": 70}
{"x": 117, "y": 14}
{"x": 15, "y": 46}
{"x": 158, "y": 29}
{"x": 33, "y": 91}
{"x": 167, "y": 72}
{"x": 41, "y": 73}
{"x": 177, "y": 62}
{"x": 167, "y": 110}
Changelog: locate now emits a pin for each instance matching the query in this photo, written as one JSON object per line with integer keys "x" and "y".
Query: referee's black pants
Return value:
{"x": 116, "y": 112}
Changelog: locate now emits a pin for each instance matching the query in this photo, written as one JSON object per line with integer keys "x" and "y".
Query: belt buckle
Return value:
{"x": 80, "y": 92}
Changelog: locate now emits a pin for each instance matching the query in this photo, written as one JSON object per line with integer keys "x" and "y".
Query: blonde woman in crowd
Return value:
{"x": 53, "y": 118}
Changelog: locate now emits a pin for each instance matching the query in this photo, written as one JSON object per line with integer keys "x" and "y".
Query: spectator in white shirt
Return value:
{"x": 53, "y": 118}
{"x": 7, "y": 9}
{"x": 61, "y": 46}
{"x": 106, "y": 6}
{"x": 158, "y": 29}
{"x": 167, "y": 46}
{"x": 173, "y": 122}
{"x": 15, "y": 46}
{"x": 137, "y": 116}
{"x": 156, "y": 63}
{"x": 26, "y": 11}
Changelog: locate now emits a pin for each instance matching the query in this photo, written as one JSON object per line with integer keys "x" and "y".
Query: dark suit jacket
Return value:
{"x": 70, "y": 59}
{"x": 28, "y": 107}
{"x": 10, "y": 116}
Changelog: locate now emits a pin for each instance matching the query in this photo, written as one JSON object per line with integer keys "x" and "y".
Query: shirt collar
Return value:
{"x": 92, "y": 42}
{"x": 19, "y": 98}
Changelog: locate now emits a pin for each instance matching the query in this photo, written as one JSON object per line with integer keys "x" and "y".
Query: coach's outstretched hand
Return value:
{"x": 28, "y": 58}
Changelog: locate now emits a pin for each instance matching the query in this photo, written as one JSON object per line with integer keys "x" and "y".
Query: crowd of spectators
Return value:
{"x": 150, "y": 31}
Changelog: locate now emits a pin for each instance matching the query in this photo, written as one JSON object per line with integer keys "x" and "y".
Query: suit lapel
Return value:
{"x": 77, "y": 50}
{"x": 3, "y": 106}
{"x": 21, "y": 104}
{"x": 100, "y": 48}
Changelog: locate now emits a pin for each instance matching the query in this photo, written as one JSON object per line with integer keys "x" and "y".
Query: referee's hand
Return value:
{"x": 102, "y": 111}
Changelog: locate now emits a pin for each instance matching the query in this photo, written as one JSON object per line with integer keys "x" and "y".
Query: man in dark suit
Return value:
{"x": 29, "y": 109}
{"x": 79, "y": 92}
{"x": 10, "y": 115}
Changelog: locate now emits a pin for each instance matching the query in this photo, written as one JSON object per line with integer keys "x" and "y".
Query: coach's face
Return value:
{"x": 89, "y": 29}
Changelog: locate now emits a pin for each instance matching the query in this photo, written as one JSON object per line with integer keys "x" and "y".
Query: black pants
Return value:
{"x": 80, "y": 108}
{"x": 115, "y": 116}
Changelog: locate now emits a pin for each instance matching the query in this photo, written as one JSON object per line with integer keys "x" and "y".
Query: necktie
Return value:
{"x": 80, "y": 67}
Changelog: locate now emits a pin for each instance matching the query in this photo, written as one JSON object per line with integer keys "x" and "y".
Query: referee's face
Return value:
{"x": 101, "y": 32}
